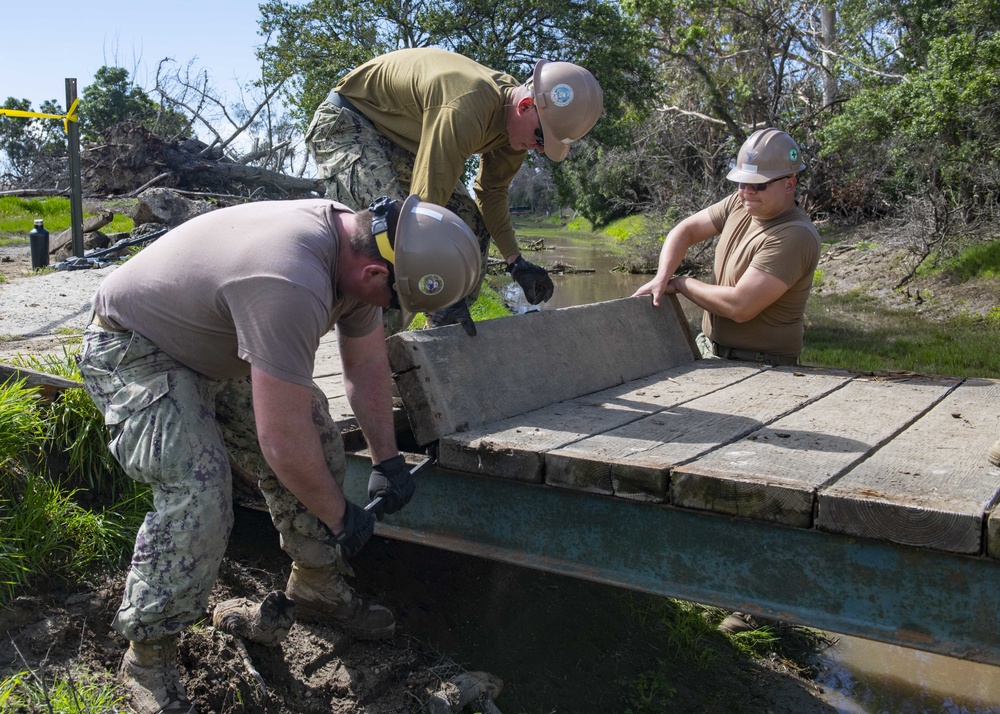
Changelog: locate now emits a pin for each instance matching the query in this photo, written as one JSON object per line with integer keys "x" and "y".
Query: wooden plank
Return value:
{"x": 635, "y": 460}
{"x": 332, "y": 386}
{"x": 49, "y": 385}
{"x": 340, "y": 410}
{"x": 451, "y": 383}
{"x": 515, "y": 448}
{"x": 774, "y": 473}
{"x": 327, "y": 362}
{"x": 932, "y": 485}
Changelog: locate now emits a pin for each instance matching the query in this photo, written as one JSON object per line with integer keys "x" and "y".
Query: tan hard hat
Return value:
{"x": 435, "y": 256}
{"x": 569, "y": 102}
{"x": 766, "y": 155}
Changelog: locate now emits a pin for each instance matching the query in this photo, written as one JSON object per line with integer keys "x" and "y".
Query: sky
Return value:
{"x": 47, "y": 43}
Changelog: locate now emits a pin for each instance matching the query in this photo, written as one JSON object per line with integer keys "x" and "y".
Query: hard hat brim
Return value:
{"x": 741, "y": 176}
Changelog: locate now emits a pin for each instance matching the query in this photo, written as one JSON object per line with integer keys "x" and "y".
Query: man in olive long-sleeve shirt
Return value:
{"x": 406, "y": 122}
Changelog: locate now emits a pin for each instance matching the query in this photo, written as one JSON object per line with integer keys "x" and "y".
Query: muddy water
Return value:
{"x": 863, "y": 677}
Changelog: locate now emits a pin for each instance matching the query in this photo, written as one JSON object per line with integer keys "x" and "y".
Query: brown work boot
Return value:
{"x": 322, "y": 595}
{"x": 994, "y": 453}
{"x": 149, "y": 673}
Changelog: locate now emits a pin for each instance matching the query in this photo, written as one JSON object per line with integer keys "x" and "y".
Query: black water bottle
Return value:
{"x": 39, "y": 239}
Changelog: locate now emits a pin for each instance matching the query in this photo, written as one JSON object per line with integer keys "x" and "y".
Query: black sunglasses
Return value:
{"x": 539, "y": 135}
{"x": 758, "y": 187}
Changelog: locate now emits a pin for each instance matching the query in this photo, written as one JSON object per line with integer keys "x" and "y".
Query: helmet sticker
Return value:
{"x": 430, "y": 284}
{"x": 750, "y": 168}
{"x": 562, "y": 94}
{"x": 793, "y": 155}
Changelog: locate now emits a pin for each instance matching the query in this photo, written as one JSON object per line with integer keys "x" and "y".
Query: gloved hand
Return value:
{"x": 457, "y": 314}
{"x": 391, "y": 480}
{"x": 533, "y": 279}
{"x": 359, "y": 525}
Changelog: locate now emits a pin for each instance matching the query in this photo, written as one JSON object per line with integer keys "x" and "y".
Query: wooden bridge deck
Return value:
{"x": 896, "y": 457}
{"x": 609, "y": 400}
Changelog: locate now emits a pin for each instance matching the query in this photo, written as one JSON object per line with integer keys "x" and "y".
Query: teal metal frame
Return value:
{"x": 918, "y": 598}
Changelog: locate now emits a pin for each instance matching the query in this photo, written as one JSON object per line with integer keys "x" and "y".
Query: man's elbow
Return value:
{"x": 742, "y": 314}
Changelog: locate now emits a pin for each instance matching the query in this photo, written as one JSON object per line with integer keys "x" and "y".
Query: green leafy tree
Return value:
{"x": 112, "y": 98}
{"x": 922, "y": 122}
{"x": 316, "y": 43}
{"x": 31, "y": 148}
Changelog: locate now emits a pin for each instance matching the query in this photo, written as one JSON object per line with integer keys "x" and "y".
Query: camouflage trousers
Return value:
{"x": 176, "y": 430}
{"x": 358, "y": 164}
{"x": 704, "y": 346}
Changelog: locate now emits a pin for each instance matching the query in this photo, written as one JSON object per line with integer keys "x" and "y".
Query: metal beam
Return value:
{"x": 918, "y": 598}
{"x": 76, "y": 186}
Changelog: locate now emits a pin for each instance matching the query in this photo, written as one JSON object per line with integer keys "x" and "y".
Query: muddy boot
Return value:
{"x": 266, "y": 623}
{"x": 742, "y": 622}
{"x": 994, "y": 453}
{"x": 322, "y": 595}
{"x": 149, "y": 673}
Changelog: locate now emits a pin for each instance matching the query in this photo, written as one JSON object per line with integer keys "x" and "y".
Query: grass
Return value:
{"x": 689, "y": 643}
{"x": 979, "y": 261}
{"x": 854, "y": 332}
{"x": 17, "y": 218}
{"x": 55, "y": 468}
{"x": 75, "y": 692}
{"x": 22, "y": 424}
{"x": 75, "y": 434}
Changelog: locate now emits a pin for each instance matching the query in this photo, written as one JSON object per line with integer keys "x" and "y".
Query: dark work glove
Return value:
{"x": 533, "y": 279}
{"x": 457, "y": 314}
{"x": 391, "y": 480}
{"x": 359, "y": 525}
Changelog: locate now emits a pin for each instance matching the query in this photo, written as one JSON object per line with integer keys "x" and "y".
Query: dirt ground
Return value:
{"x": 558, "y": 644}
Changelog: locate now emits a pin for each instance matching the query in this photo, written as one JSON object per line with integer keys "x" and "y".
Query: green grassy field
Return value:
{"x": 17, "y": 218}
{"x": 853, "y": 332}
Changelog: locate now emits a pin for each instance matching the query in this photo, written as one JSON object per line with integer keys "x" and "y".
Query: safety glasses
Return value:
{"x": 758, "y": 187}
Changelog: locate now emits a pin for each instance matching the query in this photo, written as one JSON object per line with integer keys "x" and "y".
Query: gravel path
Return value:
{"x": 39, "y": 313}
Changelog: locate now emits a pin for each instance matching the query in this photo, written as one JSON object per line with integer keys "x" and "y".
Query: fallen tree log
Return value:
{"x": 90, "y": 225}
{"x": 35, "y": 192}
{"x": 130, "y": 155}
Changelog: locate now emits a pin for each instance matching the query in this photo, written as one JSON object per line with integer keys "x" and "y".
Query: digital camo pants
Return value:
{"x": 358, "y": 165}
{"x": 176, "y": 430}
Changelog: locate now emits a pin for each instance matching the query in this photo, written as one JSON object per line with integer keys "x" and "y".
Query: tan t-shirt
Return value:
{"x": 249, "y": 284}
{"x": 787, "y": 247}
{"x": 443, "y": 108}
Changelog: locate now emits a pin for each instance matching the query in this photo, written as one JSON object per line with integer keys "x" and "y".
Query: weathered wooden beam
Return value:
{"x": 451, "y": 382}
{"x": 932, "y": 485}
{"x": 49, "y": 385}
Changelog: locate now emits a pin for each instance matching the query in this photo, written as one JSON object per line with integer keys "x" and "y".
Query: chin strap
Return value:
{"x": 379, "y": 209}
{"x": 380, "y": 227}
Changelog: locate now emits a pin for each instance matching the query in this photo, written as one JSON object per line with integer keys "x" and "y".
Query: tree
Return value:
{"x": 33, "y": 150}
{"x": 112, "y": 99}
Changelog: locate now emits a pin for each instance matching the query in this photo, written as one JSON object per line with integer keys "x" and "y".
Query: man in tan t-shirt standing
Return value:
{"x": 406, "y": 122}
{"x": 764, "y": 262}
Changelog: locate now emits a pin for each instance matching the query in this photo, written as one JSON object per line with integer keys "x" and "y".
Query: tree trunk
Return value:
{"x": 131, "y": 156}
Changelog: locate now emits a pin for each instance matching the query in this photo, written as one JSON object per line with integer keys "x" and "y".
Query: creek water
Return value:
{"x": 862, "y": 677}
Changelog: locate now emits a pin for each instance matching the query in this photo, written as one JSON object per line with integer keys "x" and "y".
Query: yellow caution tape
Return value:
{"x": 67, "y": 117}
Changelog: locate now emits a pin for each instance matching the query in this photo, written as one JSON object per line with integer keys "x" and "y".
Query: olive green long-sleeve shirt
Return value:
{"x": 444, "y": 107}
